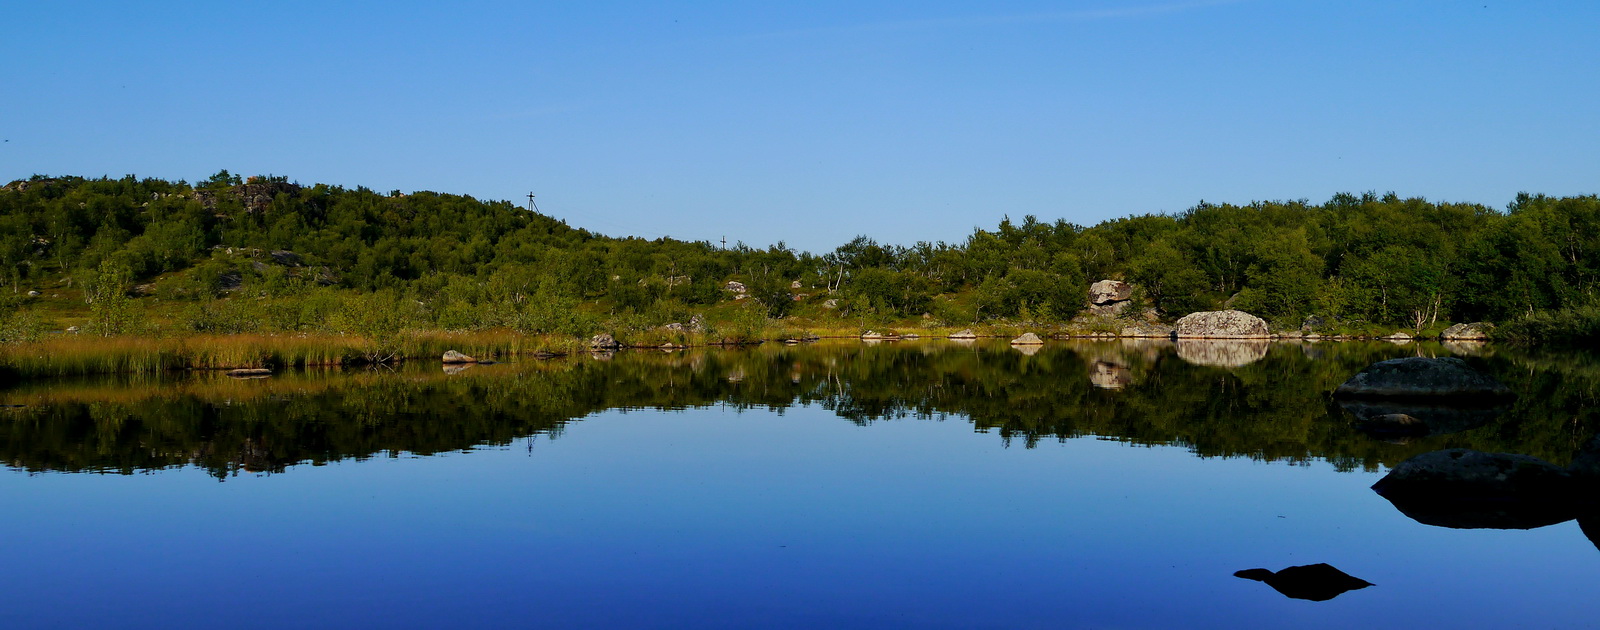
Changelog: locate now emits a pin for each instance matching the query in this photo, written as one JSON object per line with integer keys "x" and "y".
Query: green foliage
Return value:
{"x": 476, "y": 265}
{"x": 112, "y": 312}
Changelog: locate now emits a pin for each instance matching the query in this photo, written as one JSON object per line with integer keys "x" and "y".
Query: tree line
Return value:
{"x": 306, "y": 253}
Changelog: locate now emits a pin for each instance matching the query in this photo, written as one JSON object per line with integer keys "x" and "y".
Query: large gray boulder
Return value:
{"x": 1108, "y": 291}
{"x": 603, "y": 341}
{"x": 1228, "y": 324}
{"x": 1110, "y": 297}
{"x": 1476, "y": 331}
{"x": 1422, "y": 377}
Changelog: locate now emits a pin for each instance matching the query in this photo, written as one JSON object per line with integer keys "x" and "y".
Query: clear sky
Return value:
{"x": 817, "y": 121}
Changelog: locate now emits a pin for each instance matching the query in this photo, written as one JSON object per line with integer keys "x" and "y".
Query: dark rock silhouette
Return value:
{"x": 1466, "y": 489}
{"x": 1316, "y": 582}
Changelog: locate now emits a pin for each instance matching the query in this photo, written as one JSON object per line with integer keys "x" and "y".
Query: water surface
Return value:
{"x": 912, "y": 484}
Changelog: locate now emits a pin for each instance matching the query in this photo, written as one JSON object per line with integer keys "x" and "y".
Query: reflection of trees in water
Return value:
{"x": 1276, "y": 407}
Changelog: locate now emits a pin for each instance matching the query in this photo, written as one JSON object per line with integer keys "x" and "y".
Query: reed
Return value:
{"x": 75, "y": 355}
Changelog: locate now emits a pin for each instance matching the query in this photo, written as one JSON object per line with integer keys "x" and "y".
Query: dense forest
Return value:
{"x": 229, "y": 255}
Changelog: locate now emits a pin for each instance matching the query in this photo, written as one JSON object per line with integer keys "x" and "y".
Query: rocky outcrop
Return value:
{"x": 736, "y": 287}
{"x": 1477, "y": 331}
{"x": 1399, "y": 338}
{"x": 1412, "y": 377}
{"x": 697, "y": 323}
{"x": 451, "y": 356}
{"x": 1109, "y": 297}
{"x": 964, "y": 334}
{"x": 1221, "y": 325}
{"x": 1228, "y": 353}
{"x": 1027, "y": 339}
{"x": 256, "y": 195}
{"x": 603, "y": 341}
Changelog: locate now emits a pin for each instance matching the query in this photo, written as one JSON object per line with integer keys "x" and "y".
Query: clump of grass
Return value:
{"x": 1570, "y": 325}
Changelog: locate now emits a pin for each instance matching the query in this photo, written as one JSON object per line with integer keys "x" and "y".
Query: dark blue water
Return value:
{"x": 717, "y": 516}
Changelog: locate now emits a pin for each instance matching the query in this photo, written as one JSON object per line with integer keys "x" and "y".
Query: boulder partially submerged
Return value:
{"x": 1425, "y": 377}
{"x": 1027, "y": 339}
{"x": 964, "y": 334}
{"x": 1229, "y": 324}
{"x": 1466, "y": 489}
{"x": 451, "y": 356}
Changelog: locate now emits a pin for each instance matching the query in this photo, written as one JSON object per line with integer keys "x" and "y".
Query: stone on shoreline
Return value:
{"x": 1228, "y": 324}
{"x": 451, "y": 356}
{"x": 1476, "y": 331}
{"x": 1027, "y": 339}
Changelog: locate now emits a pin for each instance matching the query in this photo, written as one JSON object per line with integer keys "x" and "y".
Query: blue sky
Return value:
{"x": 814, "y": 122}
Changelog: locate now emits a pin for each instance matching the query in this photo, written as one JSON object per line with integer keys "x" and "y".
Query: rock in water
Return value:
{"x": 1315, "y": 582}
{"x": 964, "y": 334}
{"x": 1027, "y": 339}
{"x": 1422, "y": 377}
{"x": 1466, "y": 489}
{"x": 603, "y": 341}
{"x": 1222, "y": 325}
{"x": 451, "y": 356}
{"x": 1476, "y": 331}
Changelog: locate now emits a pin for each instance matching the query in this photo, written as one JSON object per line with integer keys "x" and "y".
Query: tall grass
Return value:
{"x": 74, "y": 355}
{"x": 1570, "y": 325}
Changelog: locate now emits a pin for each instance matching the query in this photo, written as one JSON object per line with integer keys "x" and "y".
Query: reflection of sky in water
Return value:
{"x": 708, "y": 518}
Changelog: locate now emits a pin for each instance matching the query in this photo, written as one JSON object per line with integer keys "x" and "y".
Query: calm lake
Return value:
{"x": 923, "y": 484}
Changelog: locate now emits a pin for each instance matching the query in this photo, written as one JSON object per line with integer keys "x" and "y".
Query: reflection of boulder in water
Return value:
{"x": 1221, "y": 353}
{"x": 1422, "y": 377}
{"x": 1466, "y": 489}
{"x": 1107, "y": 375}
{"x": 457, "y": 368}
{"x": 1315, "y": 582}
{"x": 1028, "y": 350}
{"x": 1413, "y": 418}
{"x": 1466, "y": 348}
